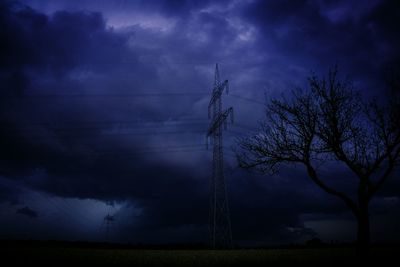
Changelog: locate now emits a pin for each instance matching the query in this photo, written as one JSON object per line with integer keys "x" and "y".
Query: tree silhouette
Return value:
{"x": 330, "y": 122}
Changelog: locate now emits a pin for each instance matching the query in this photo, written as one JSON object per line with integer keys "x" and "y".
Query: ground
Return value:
{"x": 78, "y": 256}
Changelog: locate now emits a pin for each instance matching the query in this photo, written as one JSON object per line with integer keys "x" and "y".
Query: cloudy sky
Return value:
{"x": 103, "y": 110}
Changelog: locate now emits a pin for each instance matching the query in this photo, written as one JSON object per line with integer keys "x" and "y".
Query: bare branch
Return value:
{"x": 287, "y": 136}
{"x": 314, "y": 177}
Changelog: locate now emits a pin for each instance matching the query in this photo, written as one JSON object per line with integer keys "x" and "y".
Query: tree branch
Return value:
{"x": 385, "y": 175}
{"x": 314, "y": 177}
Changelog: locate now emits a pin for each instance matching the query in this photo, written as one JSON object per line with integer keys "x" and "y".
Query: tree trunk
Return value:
{"x": 363, "y": 233}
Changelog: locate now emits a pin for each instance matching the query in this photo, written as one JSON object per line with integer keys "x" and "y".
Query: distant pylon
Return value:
{"x": 108, "y": 223}
{"x": 220, "y": 224}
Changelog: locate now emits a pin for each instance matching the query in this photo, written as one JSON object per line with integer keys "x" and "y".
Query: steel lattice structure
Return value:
{"x": 220, "y": 224}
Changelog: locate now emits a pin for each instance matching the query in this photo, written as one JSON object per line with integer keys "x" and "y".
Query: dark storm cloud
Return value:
{"x": 65, "y": 146}
{"x": 27, "y": 212}
{"x": 166, "y": 7}
{"x": 45, "y": 51}
{"x": 38, "y": 48}
{"x": 9, "y": 192}
{"x": 179, "y": 7}
{"x": 360, "y": 38}
{"x": 57, "y": 44}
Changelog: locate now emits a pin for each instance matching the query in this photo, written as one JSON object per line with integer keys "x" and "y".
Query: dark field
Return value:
{"x": 70, "y": 256}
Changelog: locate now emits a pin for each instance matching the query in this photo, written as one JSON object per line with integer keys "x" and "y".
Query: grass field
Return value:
{"x": 245, "y": 257}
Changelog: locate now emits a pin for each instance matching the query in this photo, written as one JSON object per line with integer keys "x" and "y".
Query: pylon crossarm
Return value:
{"x": 219, "y": 120}
{"x": 217, "y": 92}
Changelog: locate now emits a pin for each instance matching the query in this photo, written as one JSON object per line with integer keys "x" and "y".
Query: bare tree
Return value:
{"x": 330, "y": 121}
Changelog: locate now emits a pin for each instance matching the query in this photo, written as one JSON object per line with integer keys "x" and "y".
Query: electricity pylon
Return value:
{"x": 108, "y": 223}
{"x": 220, "y": 224}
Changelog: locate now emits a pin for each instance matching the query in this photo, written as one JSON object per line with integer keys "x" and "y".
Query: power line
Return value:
{"x": 238, "y": 134}
{"x": 140, "y": 153}
{"x": 198, "y": 148}
{"x": 111, "y": 127}
{"x": 79, "y": 132}
{"x": 151, "y": 95}
{"x": 249, "y": 99}
{"x": 246, "y": 127}
{"x": 179, "y": 94}
{"x": 62, "y": 132}
{"x": 150, "y": 149}
{"x": 46, "y": 123}
{"x": 100, "y": 135}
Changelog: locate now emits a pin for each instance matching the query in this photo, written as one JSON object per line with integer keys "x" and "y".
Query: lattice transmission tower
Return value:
{"x": 108, "y": 224}
{"x": 220, "y": 224}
